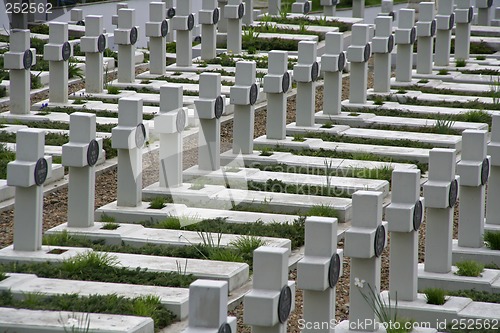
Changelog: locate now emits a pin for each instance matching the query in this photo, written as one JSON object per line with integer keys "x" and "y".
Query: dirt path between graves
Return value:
{"x": 55, "y": 206}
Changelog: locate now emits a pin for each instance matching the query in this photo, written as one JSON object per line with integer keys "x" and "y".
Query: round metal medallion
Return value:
{"x": 334, "y": 270}
{"x": 170, "y": 13}
{"x": 485, "y": 171}
{"x": 27, "y": 59}
{"x": 216, "y": 16}
{"x": 164, "y": 28}
{"x": 219, "y": 107}
{"x": 341, "y": 62}
{"x": 180, "y": 121}
{"x": 284, "y": 304}
{"x": 452, "y": 21}
{"x": 490, "y": 3}
{"x": 470, "y": 15}
{"x": 379, "y": 240}
{"x": 390, "y": 43}
{"x": 92, "y": 153}
{"x": 241, "y": 11}
{"x": 393, "y": 15}
{"x": 453, "y": 195}
{"x": 101, "y": 43}
{"x": 66, "y": 51}
{"x": 413, "y": 35}
{"x": 133, "y": 35}
{"x": 41, "y": 171}
{"x": 254, "y": 93}
{"x": 314, "y": 71}
{"x": 190, "y": 22}
{"x": 82, "y": 23}
{"x": 433, "y": 28}
{"x": 140, "y": 135}
{"x": 368, "y": 52}
{"x": 418, "y": 212}
{"x": 285, "y": 82}
{"x": 224, "y": 328}
{"x": 307, "y": 7}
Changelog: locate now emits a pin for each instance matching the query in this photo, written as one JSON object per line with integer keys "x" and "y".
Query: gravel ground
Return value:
{"x": 55, "y": 207}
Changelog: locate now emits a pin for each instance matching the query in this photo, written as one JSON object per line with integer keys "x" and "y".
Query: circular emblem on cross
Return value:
{"x": 140, "y": 135}
{"x": 334, "y": 270}
{"x": 164, "y": 28}
{"x": 66, "y": 51}
{"x": 241, "y": 11}
{"x": 368, "y": 52}
{"x": 92, "y": 153}
{"x": 27, "y": 59}
{"x": 413, "y": 35}
{"x": 379, "y": 240}
{"x": 315, "y": 71}
{"x": 433, "y": 28}
{"x": 341, "y": 62}
{"x": 180, "y": 121}
{"x": 452, "y": 21}
{"x": 170, "y": 13}
{"x": 307, "y": 7}
{"x": 285, "y": 82}
{"x": 284, "y": 304}
{"x": 453, "y": 194}
{"x": 254, "y": 93}
{"x": 216, "y": 16}
{"x": 224, "y": 328}
{"x": 219, "y": 107}
{"x": 418, "y": 212}
{"x": 390, "y": 43}
{"x": 101, "y": 43}
{"x": 133, "y": 35}
{"x": 470, "y": 15}
{"x": 485, "y": 171}
{"x": 41, "y": 171}
{"x": 190, "y": 22}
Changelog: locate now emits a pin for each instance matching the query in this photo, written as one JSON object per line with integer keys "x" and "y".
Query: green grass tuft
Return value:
{"x": 322, "y": 210}
{"x": 492, "y": 240}
{"x": 436, "y": 296}
{"x": 469, "y": 268}
{"x": 157, "y": 203}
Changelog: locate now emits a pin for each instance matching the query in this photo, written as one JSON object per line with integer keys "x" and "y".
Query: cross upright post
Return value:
{"x": 81, "y": 154}
{"x": 93, "y": 44}
{"x": 170, "y": 13}
{"x": 183, "y": 22}
{"x": 57, "y": 52}
{"x": 441, "y": 194}
{"x": 329, "y": 7}
{"x": 464, "y": 13}
{"x": 19, "y": 60}
{"x": 126, "y": 36}
{"x": 28, "y": 174}
{"x": 358, "y": 8}
{"x": 387, "y": 9}
{"x": 209, "y": 18}
{"x": 445, "y": 20}
{"x": 157, "y": 31}
{"x": 306, "y": 72}
{"x": 332, "y": 64}
{"x": 383, "y": 43}
{"x": 484, "y": 11}
{"x": 358, "y": 53}
{"x": 301, "y": 7}
{"x": 234, "y": 12}
{"x": 210, "y": 107}
{"x": 277, "y": 82}
{"x": 114, "y": 18}
{"x": 426, "y": 29}
{"x": 405, "y": 37}
{"x": 170, "y": 124}
{"x": 492, "y": 206}
{"x": 222, "y": 26}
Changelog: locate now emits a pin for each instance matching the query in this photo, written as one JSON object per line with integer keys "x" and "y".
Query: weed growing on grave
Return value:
{"x": 157, "y": 203}
{"x": 443, "y": 72}
{"x": 110, "y": 226}
{"x": 476, "y": 116}
{"x": 112, "y": 90}
{"x": 444, "y": 126}
{"x": 107, "y": 218}
{"x": 3, "y": 276}
{"x": 423, "y": 81}
{"x": 401, "y": 91}
{"x": 3, "y": 91}
{"x": 460, "y": 63}
{"x": 57, "y": 238}
{"x": 386, "y": 312}
{"x": 36, "y": 83}
{"x": 495, "y": 89}
{"x": 89, "y": 259}
{"x": 323, "y": 211}
{"x": 78, "y": 324}
{"x": 247, "y": 243}
{"x": 492, "y": 240}
{"x": 198, "y": 184}
{"x": 476, "y": 295}
{"x": 436, "y": 296}
{"x": 148, "y": 306}
{"x": 299, "y": 138}
{"x": 328, "y": 124}
{"x": 469, "y": 268}
{"x": 480, "y": 57}
{"x": 145, "y": 81}
{"x": 353, "y": 114}
{"x": 74, "y": 70}
{"x": 266, "y": 151}
{"x": 6, "y": 156}
{"x": 171, "y": 222}
{"x": 378, "y": 100}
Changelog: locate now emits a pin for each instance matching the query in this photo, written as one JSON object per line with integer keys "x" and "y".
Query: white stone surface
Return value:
{"x": 305, "y": 73}
{"x": 157, "y": 38}
{"x": 425, "y": 37}
{"x": 93, "y": 58}
{"x": 181, "y": 24}
{"x": 126, "y": 44}
{"x": 464, "y": 14}
{"x": 332, "y": 63}
{"x": 54, "y": 52}
{"x": 444, "y": 25}
{"x": 208, "y": 28}
{"x": 358, "y": 54}
{"x": 405, "y": 38}
{"x": 233, "y": 13}
{"x": 383, "y": 43}
{"x": 492, "y": 209}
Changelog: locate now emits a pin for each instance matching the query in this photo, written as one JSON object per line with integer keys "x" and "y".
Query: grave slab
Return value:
{"x": 482, "y": 254}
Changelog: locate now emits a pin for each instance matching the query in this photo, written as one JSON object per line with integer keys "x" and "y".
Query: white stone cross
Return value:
{"x": 169, "y": 14}
{"x": 305, "y": 73}
{"x": 272, "y": 298}
{"x": 382, "y": 43}
{"x": 445, "y": 20}
{"x": 80, "y": 154}
{"x": 358, "y": 54}
{"x": 170, "y": 124}
{"x": 426, "y": 29}
{"x": 483, "y": 11}
{"x": 301, "y": 7}
{"x": 157, "y": 31}
{"x": 329, "y": 7}
{"x": 474, "y": 170}
{"x": 129, "y": 138}
{"x": 277, "y": 82}
{"x": 248, "y": 17}
{"x": 222, "y": 26}
{"x": 244, "y": 95}
{"x": 126, "y": 36}
{"x": 183, "y": 23}
{"x": 274, "y": 7}
{"x": 405, "y": 36}
{"x": 114, "y": 18}
{"x": 333, "y": 62}
{"x": 28, "y": 173}
{"x": 464, "y": 13}
{"x": 208, "y": 19}
{"x": 208, "y": 308}
{"x": 364, "y": 243}
{"x": 234, "y": 12}
{"x": 492, "y": 206}
{"x": 387, "y": 9}
{"x": 319, "y": 271}
{"x": 441, "y": 194}
{"x": 76, "y": 16}
{"x": 93, "y": 44}
{"x": 19, "y": 60}
{"x": 358, "y": 8}
{"x": 57, "y": 52}
{"x": 404, "y": 215}
{"x": 210, "y": 107}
